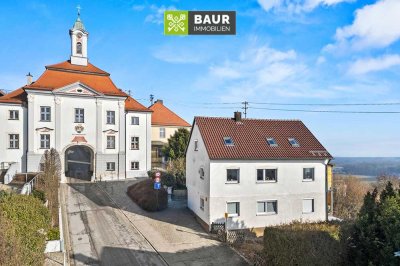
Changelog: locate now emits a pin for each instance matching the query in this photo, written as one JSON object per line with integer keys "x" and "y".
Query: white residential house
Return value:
{"x": 260, "y": 172}
{"x": 99, "y": 131}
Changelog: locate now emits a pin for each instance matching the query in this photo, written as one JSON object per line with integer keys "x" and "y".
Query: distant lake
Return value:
{"x": 367, "y": 168}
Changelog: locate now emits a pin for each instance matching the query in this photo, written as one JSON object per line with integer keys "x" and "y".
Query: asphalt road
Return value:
{"x": 99, "y": 232}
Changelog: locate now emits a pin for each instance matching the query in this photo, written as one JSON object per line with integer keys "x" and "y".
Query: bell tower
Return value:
{"x": 79, "y": 37}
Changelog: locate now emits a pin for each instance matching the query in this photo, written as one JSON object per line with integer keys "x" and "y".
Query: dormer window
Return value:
{"x": 293, "y": 142}
{"x": 272, "y": 142}
{"x": 79, "y": 48}
{"x": 228, "y": 141}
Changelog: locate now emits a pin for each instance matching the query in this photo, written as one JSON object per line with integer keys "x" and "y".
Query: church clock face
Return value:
{"x": 79, "y": 35}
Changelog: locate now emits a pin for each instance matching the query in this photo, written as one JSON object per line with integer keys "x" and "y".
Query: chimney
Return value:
{"x": 238, "y": 116}
{"x": 29, "y": 79}
{"x": 160, "y": 101}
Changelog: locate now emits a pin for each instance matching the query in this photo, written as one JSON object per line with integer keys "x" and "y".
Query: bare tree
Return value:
{"x": 349, "y": 192}
{"x": 49, "y": 181}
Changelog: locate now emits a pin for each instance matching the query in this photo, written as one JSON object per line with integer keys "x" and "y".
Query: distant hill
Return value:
{"x": 368, "y": 166}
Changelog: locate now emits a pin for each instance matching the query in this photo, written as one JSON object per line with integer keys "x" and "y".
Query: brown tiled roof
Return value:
{"x": 133, "y": 105}
{"x": 162, "y": 116}
{"x": 250, "y": 139}
{"x": 18, "y": 96}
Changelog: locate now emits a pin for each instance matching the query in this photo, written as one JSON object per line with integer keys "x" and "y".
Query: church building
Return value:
{"x": 100, "y": 132}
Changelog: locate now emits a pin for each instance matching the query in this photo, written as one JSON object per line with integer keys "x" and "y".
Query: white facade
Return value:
{"x": 62, "y": 129}
{"x": 90, "y": 129}
{"x": 288, "y": 191}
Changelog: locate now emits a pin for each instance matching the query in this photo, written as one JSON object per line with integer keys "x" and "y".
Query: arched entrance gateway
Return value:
{"x": 79, "y": 162}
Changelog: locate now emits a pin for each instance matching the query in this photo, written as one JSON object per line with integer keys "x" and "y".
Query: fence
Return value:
{"x": 233, "y": 237}
{"x": 29, "y": 186}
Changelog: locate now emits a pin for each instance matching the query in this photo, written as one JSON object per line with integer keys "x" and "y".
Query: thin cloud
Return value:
{"x": 157, "y": 13}
{"x": 367, "y": 65}
{"x": 293, "y": 6}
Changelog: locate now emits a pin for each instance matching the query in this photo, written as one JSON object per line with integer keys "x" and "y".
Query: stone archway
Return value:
{"x": 79, "y": 162}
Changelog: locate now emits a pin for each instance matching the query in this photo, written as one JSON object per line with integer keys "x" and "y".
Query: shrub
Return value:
{"x": 144, "y": 194}
{"x": 167, "y": 179}
{"x": 30, "y": 221}
{"x": 53, "y": 234}
{"x": 177, "y": 168}
{"x": 303, "y": 244}
{"x": 40, "y": 195}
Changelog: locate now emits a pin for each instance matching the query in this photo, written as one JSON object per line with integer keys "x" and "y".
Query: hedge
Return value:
{"x": 144, "y": 194}
{"x": 303, "y": 244}
{"x": 29, "y": 221}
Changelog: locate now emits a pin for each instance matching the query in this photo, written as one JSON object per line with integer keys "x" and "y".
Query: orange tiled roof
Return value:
{"x": 17, "y": 96}
{"x": 59, "y": 75}
{"x": 133, "y": 105}
{"x": 165, "y": 117}
{"x": 63, "y": 74}
{"x": 66, "y": 65}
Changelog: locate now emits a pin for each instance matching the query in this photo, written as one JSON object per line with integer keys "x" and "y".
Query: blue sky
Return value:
{"x": 285, "y": 51}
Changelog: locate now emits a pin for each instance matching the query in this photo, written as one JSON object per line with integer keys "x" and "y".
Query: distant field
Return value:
{"x": 367, "y": 166}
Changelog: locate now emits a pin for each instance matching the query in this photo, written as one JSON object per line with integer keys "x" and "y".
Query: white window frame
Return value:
{"x": 237, "y": 214}
{"x": 134, "y": 165}
{"x": 13, "y": 115}
{"x": 230, "y": 139}
{"x": 264, "y": 175}
{"x": 108, "y": 144}
{"x": 265, "y": 207}
{"x": 45, "y": 141}
{"x": 134, "y": 143}
{"x": 295, "y": 142}
{"x": 79, "y": 115}
{"x": 110, "y": 166}
{"x": 13, "y": 141}
{"x": 162, "y": 132}
{"x": 306, "y": 179}
{"x": 275, "y": 144}
{"x": 135, "y": 120}
{"x": 312, "y": 206}
{"x": 45, "y": 111}
{"x": 232, "y": 182}
{"x": 202, "y": 203}
{"x": 110, "y": 117}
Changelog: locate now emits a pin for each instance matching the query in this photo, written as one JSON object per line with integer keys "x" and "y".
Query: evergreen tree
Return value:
{"x": 388, "y": 191}
{"x": 177, "y": 144}
{"x": 376, "y": 234}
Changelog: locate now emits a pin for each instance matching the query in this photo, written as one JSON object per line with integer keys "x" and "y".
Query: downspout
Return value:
{"x": 326, "y": 189}
{"x": 126, "y": 113}
{"x": 27, "y": 137}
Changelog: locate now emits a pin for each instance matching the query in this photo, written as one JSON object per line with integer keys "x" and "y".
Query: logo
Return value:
{"x": 200, "y": 22}
{"x": 176, "y": 23}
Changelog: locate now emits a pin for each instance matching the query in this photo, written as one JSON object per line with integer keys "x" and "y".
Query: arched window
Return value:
{"x": 79, "y": 48}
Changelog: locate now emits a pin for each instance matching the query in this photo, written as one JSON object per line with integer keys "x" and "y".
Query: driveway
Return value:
{"x": 107, "y": 228}
{"x": 99, "y": 233}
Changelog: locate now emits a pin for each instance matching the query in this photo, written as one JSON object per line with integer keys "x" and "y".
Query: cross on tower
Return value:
{"x": 79, "y": 10}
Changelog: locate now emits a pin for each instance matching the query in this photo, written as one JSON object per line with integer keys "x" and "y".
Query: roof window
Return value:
{"x": 272, "y": 142}
{"x": 293, "y": 142}
{"x": 228, "y": 141}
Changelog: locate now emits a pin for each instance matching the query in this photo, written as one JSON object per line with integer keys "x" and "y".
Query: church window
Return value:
{"x": 79, "y": 48}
